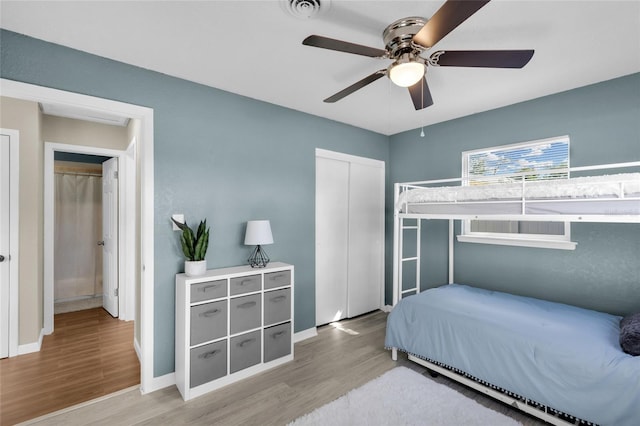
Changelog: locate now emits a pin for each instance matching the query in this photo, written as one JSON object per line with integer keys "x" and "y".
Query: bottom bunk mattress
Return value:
{"x": 561, "y": 356}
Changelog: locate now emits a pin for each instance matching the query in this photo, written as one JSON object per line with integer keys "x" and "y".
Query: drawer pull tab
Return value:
{"x": 278, "y": 299}
{"x": 246, "y": 282}
{"x": 245, "y": 342}
{"x": 278, "y": 334}
{"x": 208, "y": 287}
{"x": 246, "y": 305}
{"x": 209, "y": 354}
{"x": 210, "y": 313}
{"x": 277, "y": 276}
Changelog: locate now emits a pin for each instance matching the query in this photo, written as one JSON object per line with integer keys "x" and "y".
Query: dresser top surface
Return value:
{"x": 229, "y": 272}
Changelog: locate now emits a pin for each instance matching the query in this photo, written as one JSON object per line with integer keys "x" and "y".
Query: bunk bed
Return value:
{"x": 557, "y": 362}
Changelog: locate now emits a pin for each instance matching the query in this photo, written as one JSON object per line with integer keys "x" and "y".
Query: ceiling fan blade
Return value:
{"x": 420, "y": 94}
{"x": 446, "y": 19}
{"x": 343, "y": 46}
{"x": 356, "y": 86}
{"x": 481, "y": 58}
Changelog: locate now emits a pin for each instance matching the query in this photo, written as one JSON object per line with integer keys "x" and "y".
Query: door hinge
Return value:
{"x": 115, "y": 292}
{"x": 115, "y": 174}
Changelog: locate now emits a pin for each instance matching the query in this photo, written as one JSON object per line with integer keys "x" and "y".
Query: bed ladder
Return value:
{"x": 414, "y": 227}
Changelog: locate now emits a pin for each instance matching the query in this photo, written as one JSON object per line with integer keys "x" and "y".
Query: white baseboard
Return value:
{"x": 305, "y": 334}
{"x": 31, "y": 347}
{"x": 136, "y": 346}
{"x": 158, "y": 383}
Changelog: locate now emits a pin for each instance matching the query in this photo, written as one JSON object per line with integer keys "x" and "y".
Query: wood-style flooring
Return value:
{"x": 90, "y": 354}
{"x": 342, "y": 357}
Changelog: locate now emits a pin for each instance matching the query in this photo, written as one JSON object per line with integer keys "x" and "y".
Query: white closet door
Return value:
{"x": 5, "y": 227}
{"x": 332, "y": 213}
{"x": 366, "y": 238}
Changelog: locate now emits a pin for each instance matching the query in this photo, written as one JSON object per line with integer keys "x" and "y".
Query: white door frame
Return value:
{"x": 30, "y": 92}
{"x": 126, "y": 278}
{"x": 14, "y": 220}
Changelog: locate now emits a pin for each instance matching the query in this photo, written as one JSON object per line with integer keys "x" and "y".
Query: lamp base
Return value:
{"x": 258, "y": 258}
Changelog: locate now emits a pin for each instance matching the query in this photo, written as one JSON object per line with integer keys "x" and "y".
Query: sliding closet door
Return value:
{"x": 332, "y": 236}
{"x": 349, "y": 235}
{"x": 366, "y": 238}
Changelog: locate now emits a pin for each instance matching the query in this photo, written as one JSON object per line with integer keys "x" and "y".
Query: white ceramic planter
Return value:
{"x": 195, "y": 268}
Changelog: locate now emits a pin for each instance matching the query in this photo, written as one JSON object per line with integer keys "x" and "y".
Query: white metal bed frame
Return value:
{"x": 539, "y": 410}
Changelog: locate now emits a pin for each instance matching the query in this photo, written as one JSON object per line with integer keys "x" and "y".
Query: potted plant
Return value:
{"x": 194, "y": 247}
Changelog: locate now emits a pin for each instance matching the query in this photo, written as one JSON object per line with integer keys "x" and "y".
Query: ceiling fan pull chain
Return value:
{"x": 422, "y": 129}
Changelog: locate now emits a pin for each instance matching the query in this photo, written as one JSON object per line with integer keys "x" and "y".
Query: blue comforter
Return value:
{"x": 562, "y": 356}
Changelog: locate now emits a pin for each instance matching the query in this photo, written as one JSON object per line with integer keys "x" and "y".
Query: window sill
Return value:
{"x": 519, "y": 242}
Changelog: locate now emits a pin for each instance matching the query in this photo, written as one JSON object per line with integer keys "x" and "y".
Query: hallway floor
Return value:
{"x": 89, "y": 354}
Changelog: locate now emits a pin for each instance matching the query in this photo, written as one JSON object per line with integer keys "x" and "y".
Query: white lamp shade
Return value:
{"x": 406, "y": 74}
{"x": 258, "y": 233}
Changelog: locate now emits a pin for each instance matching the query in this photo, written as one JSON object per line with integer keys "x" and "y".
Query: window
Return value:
{"x": 535, "y": 160}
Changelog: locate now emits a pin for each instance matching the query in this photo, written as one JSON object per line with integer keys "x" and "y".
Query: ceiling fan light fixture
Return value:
{"x": 406, "y": 71}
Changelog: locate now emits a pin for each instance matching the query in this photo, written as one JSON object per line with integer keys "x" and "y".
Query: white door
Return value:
{"x": 366, "y": 238}
{"x": 332, "y": 212}
{"x": 4, "y": 246}
{"x": 349, "y": 236}
{"x": 110, "y": 236}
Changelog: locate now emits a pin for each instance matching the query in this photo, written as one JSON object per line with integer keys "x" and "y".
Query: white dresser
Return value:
{"x": 232, "y": 323}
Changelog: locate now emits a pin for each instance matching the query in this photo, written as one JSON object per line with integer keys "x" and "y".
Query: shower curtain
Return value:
{"x": 78, "y": 228}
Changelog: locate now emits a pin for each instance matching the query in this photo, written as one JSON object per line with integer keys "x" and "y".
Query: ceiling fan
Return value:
{"x": 408, "y": 38}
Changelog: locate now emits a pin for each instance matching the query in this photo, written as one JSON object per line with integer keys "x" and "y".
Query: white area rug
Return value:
{"x": 403, "y": 397}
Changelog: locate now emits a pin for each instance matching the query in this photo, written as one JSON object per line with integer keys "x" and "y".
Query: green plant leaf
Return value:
{"x": 201, "y": 229}
{"x": 193, "y": 246}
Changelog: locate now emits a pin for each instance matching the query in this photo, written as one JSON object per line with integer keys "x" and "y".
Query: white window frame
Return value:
{"x": 562, "y": 242}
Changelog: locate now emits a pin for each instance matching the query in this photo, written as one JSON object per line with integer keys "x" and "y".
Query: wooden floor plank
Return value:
{"x": 89, "y": 355}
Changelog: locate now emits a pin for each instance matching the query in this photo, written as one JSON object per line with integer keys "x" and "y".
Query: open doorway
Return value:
{"x": 143, "y": 242}
{"x": 85, "y": 244}
{"x": 117, "y": 275}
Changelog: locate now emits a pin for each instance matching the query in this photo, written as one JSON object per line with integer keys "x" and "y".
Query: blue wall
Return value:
{"x": 603, "y": 122}
{"x": 218, "y": 156}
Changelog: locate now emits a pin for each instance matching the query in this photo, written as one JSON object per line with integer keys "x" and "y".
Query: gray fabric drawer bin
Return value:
{"x": 208, "y": 362}
{"x": 277, "y": 341}
{"x": 208, "y": 322}
{"x": 245, "y": 313}
{"x": 277, "y": 306}
{"x": 208, "y": 290}
{"x": 245, "y": 351}
{"x": 277, "y": 279}
{"x": 245, "y": 284}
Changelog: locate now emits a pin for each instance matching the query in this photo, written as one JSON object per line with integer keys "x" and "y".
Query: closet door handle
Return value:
{"x": 100, "y": 243}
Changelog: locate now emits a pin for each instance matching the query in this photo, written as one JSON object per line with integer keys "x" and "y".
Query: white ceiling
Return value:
{"x": 254, "y": 49}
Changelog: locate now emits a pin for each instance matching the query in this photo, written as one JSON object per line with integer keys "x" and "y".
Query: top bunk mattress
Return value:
{"x": 617, "y": 194}
{"x": 565, "y": 357}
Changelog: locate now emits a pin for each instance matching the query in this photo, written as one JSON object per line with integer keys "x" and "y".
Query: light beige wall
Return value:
{"x": 35, "y": 128}
{"x": 78, "y": 132}
{"x": 25, "y": 117}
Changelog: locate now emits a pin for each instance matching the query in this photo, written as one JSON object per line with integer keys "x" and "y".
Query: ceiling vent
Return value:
{"x": 305, "y": 9}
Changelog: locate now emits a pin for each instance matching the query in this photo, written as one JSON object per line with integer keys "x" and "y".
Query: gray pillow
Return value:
{"x": 630, "y": 334}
